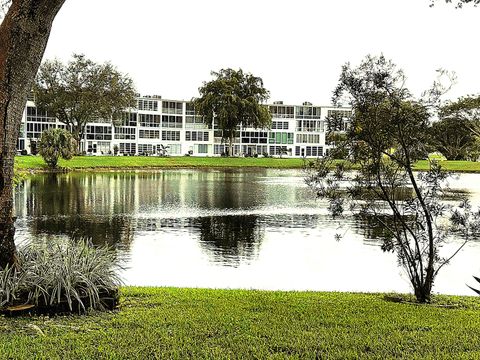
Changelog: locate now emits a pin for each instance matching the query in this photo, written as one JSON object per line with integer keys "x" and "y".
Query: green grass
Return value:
{"x": 23, "y": 163}
{"x": 150, "y": 162}
{"x": 452, "y": 165}
{"x": 171, "y": 323}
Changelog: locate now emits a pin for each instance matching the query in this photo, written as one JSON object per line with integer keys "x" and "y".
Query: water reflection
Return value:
{"x": 230, "y": 239}
{"x": 234, "y": 228}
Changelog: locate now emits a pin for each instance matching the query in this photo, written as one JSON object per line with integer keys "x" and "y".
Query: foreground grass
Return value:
{"x": 23, "y": 163}
{"x": 238, "y": 324}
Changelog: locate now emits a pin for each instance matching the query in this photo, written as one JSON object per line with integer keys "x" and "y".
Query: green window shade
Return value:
{"x": 278, "y": 138}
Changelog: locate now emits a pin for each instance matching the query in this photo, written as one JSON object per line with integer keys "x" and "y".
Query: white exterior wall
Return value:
{"x": 105, "y": 142}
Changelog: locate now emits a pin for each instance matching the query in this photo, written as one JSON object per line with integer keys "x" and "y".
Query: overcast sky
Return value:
{"x": 297, "y": 47}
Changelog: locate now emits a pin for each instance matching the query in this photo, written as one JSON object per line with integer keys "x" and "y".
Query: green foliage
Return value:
{"x": 55, "y": 144}
{"x": 458, "y": 3}
{"x": 82, "y": 90}
{"x": 58, "y": 274}
{"x": 388, "y": 134}
{"x": 454, "y": 139}
{"x": 233, "y": 98}
{"x": 457, "y": 133}
{"x": 167, "y": 323}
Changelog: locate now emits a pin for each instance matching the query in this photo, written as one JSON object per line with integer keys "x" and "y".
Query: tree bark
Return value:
{"x": 24, "y": 34}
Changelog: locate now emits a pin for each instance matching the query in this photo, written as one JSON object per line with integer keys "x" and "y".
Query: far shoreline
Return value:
{"x": 35, "y": 164}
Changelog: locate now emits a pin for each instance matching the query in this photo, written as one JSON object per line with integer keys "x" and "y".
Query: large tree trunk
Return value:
{"x": 24, "y": 34}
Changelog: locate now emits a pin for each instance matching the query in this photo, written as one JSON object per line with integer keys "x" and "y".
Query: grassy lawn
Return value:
{"x": 131, "y": 162}
{"x": 152, "y": 162}
{"x": 452, "y": 165}
{"x": 239, "y": 324}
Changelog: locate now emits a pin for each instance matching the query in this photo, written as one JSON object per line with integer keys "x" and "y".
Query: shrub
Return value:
{"x": 62, "y": 275}
{"x": 56, "y": 143}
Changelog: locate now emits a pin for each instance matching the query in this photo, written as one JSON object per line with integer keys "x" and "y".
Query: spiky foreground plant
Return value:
{"x": 62, "y": 275}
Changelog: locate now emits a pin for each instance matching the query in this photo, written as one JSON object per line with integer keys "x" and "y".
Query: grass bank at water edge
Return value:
{"x": 23, "y": 163}
{"x": 168, "y": 323}
{"x": 151, "y": 162}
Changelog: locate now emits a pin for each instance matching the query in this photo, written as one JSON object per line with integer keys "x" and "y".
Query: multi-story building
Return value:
{"x": 158, "y": 127}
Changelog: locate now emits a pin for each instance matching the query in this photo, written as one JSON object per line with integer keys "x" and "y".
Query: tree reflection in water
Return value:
{"x": 230, "y": 240}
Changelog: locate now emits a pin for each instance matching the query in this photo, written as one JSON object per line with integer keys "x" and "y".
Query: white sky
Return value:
{"x": 297, "y": 47}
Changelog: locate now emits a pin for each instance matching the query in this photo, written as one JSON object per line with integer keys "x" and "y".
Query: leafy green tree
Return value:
{"x": 24, "y": 33}
{"x": 466, "y": 109}
{"x": 386, "y": 136}
{"x": 55, "y": 144}
{"x": 458, "y": 3}
{"x": 453, "y": 138}
{"x": 232, "y": 99}
{"x": 82, "y": 91}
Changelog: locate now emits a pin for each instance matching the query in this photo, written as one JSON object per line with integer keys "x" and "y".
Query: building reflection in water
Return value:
{"x": 112, "y": 208}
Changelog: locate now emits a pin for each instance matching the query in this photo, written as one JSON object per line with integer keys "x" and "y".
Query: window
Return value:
{"x": 149, "y": 120}
{"x": 127, "y": 148}
{"x": 144, "y": 149}
{"x": 196, "y": 136}
{"x": 219, "y": 149}
{"x": 254, "y": 137}
{"x": 148, "y": 105}
{"x": 125, "y": 133}
{"x": 128, "y": 119}
{"x": 281, "y": 111}
{"x": 172, "y": 107}
{"x": 201, "y": 148}
{"x": 280, "y": 138}
{"x": 308, "y": 138}
{"x": 314, "y": 151}
{"x": 170, "y": 121}
{"x": 174, "y": 149}
{"x": 149, "y": 134}
{"x": 170, "y": 135}
{"x": 339, "y": 113}
{"x": 279, "y": 150}
{"x": 195, "y": 122}
{"x": 307, "y": 111}
{"x": 98, "y": 132}
{"x": 189, "y": 108}
{"x": 34, "y": 130}
{"x": 280, "y": 125}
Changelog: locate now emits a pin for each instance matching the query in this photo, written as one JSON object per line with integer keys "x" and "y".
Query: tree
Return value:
{"x": 466, "y": 109}
{"x": 453, "y": 138}
{"x": 459, "y": 3}
{"x": 24, "y": 33}
{"x": 232, "y": 99}
{"x": 387, "y": 135}
{"x": 82, "y": 91}
{"x": 56, "y": 143}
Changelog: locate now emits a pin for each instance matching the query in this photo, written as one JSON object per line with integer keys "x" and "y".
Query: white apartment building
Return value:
{"x": 159, "y": 126}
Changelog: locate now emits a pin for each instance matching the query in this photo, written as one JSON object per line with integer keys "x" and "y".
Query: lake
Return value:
{"x": 249, "y": 228}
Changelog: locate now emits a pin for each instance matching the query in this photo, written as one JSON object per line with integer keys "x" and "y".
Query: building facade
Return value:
{"x": 170, "y": 127}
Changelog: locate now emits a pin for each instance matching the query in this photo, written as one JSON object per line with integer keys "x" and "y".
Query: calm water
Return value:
{"x": 224, "y": 229}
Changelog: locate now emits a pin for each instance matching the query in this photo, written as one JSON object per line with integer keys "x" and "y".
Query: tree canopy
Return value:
{"x": 454, "y": 139}
{"x": 231, "y": 99}
{"x": 55, "y": 144}
{"x": 457, "y": 132}
{"x": 458, "y": 3}
{"x": 82, "y": 91}
{"x": 387, "y": 134}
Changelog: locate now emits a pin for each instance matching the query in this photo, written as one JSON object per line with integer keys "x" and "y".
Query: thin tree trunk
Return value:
{"x": 230, "y": 146}
{"x": 24, "y": 34}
